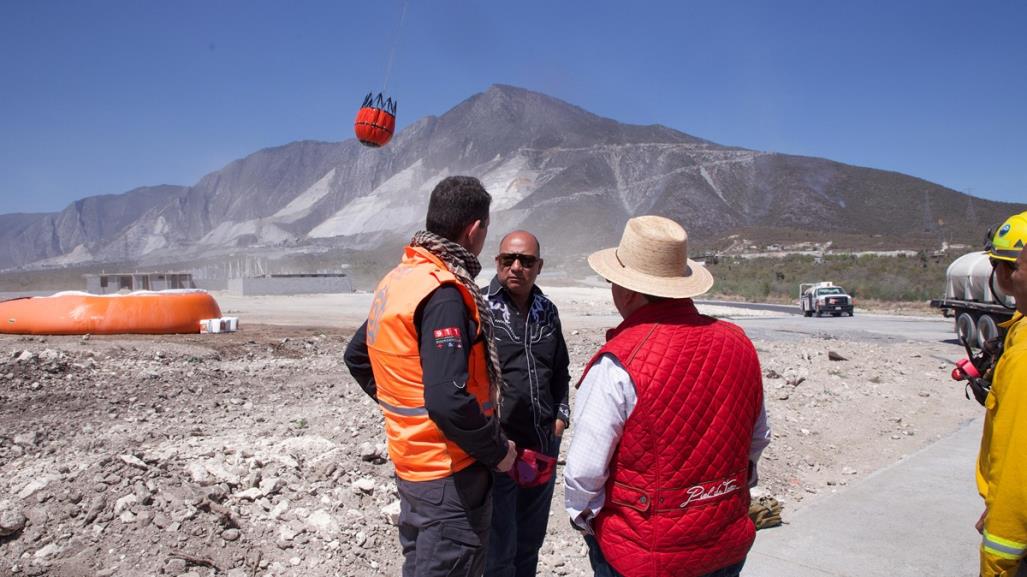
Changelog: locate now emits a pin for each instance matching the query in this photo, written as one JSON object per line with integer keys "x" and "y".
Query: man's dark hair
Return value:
{"x": 456, "y": 202}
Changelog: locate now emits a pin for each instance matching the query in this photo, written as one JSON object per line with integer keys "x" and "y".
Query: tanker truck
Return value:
{"x": 974, "y": 300}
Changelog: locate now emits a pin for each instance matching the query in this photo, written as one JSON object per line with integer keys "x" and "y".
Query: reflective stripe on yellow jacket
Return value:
{"x": 1002, "y": 464}
{"x": 417, "y": 447}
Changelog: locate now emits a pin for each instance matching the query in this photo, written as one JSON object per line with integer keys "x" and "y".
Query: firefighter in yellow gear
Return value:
{"x": 1002, "y": 463}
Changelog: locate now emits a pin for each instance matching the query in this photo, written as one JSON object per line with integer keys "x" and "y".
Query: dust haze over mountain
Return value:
{"x": 568, "y": 175}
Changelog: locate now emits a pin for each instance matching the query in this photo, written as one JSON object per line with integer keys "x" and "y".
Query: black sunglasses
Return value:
{"x": 507, "y": 259}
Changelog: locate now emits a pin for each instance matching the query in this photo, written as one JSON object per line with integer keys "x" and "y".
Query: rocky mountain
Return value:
{"x": 91, "y": 224}
{"x": 569, "y": 175}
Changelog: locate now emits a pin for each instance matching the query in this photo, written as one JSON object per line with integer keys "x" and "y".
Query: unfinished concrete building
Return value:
{"x": 110, "y": 283}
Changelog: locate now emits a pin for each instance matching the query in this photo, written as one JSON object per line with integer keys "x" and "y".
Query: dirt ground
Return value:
{"x": 255, "y": 453}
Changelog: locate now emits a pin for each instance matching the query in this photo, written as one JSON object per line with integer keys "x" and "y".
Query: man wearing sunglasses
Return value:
{"x": 1002, "y": 463}
{"x": 534, "y": 410}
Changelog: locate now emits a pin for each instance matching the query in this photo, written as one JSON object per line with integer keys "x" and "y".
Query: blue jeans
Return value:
{"x": 603, "y": 569}
{"x": 519, "y": 520}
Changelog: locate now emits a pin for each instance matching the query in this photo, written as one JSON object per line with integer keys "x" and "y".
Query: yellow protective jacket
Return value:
{"x": 1002, "y": 463}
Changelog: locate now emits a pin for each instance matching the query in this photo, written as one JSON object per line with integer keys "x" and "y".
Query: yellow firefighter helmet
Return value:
{"x": 1010, "y": 238}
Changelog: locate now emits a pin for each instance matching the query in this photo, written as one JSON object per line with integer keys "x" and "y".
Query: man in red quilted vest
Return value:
{"x": 671, "y": 421}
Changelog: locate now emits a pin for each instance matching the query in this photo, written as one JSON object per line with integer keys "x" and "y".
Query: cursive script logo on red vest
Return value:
{"x": 708, "y": 491}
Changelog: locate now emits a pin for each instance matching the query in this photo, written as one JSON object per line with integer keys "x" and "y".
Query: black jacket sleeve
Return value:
{"x": 561, "y": 378}
{"x": 444, "y": 333}
{"x": 359, "y": 362}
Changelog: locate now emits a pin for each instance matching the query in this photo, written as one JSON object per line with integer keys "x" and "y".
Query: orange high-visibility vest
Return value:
{"x": 417, "y": 447}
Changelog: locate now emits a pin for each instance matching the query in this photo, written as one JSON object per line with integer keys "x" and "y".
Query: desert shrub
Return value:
{"x": 878, "y": 277}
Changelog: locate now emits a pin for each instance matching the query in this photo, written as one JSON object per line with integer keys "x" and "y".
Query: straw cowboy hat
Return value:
{"x": 652, "y": 259}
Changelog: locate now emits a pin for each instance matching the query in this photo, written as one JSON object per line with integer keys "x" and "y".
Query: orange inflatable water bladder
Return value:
{"x": 79, "y": 313}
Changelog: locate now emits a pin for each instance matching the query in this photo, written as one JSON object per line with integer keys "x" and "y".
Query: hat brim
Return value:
{"x": 698, "y": 281}
{"x": 1006, "y": 255}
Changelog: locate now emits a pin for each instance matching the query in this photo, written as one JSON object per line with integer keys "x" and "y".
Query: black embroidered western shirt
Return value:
{"x": 535, "y": 363}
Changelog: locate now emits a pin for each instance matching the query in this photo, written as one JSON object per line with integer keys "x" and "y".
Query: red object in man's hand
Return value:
{"x": 964, "y": 369}
{"x": 532, "y": 469}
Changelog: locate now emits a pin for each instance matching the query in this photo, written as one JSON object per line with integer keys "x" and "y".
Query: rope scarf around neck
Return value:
{"x": 465, "y": 266}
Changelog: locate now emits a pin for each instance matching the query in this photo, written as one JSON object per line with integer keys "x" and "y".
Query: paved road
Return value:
{"x": 862, "y": 327}
{"x": 791, "y": 324}
{"x": 785, "y": 322}
{"x": 787, "y": 309}
{"x": 911, "y": 519}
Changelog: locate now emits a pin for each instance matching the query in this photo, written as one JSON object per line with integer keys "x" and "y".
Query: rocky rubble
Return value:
{"x": 254, "y": 453}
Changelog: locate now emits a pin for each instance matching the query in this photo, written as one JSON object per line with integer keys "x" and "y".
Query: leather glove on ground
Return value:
{"x": 765, "y": 512}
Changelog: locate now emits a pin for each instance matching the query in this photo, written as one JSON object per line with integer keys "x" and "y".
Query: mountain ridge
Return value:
{"x": 553, "y": 167}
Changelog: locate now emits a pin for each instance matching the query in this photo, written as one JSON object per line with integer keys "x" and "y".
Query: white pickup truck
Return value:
{"x": 824, "y": 297}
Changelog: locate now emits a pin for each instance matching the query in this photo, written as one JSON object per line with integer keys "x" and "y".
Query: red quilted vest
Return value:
{"x": 677, "y": 499}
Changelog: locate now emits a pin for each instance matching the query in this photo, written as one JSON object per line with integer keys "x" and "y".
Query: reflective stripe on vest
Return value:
{"x": 409, "y": 411}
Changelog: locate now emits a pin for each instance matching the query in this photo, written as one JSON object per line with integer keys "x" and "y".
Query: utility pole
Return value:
{"x": 928, "y": 221}
{"x": 971, "y": 211}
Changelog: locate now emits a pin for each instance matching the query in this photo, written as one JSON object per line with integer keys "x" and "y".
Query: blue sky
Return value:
{"x": 101, "y": 96}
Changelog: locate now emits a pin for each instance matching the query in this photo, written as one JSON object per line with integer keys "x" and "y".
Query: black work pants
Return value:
{"x": 444, "y": 524}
